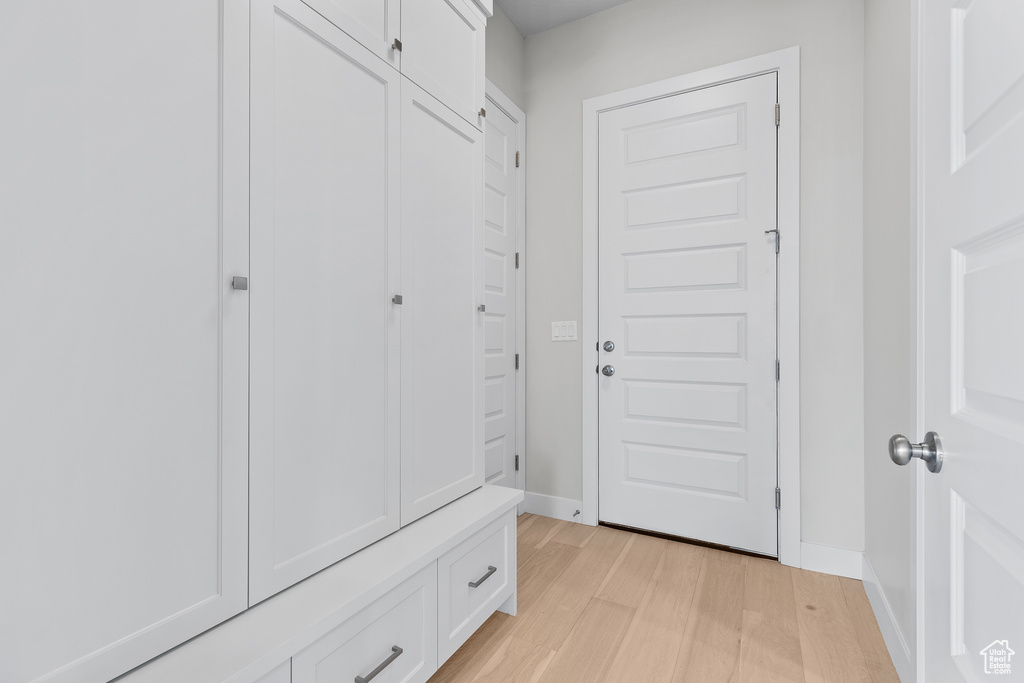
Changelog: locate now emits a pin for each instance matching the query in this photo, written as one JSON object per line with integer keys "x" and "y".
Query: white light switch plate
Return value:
{"x": 563, "y": 331}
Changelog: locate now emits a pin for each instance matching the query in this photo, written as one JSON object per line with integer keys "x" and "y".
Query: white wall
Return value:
{"x": 889, "y": 238}
{"x": 506, "y": 57}
{"x": 649, "y": 40}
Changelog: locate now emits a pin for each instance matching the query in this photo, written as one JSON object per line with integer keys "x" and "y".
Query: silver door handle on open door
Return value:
{"x": 608, "y": 371}
{"x": 901, "y": 450}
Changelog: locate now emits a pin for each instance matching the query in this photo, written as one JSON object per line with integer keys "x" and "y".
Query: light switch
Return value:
{"x": 563, "y": 331}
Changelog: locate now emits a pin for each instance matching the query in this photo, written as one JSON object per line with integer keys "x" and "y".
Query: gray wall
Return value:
{"x": 889, "y": 309}
{"x": 649, "y": 40}
{"x": 506, "y": 57}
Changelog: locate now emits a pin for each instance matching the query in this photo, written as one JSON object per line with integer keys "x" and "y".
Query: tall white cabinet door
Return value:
{"x": 123, "y": 348}
{"x": 374, "y": 23}
{"x": 442, "y": 349}
{"x": 443, "y": 52}
{"x": 324, "y": 428}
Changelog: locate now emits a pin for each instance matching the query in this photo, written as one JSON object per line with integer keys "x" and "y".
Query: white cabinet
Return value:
{"x": 324, "y": 392}
{"x": 374, "y": 23}
{"x": 442, "y": 341}
{"x": 473, "y": 580}
{"x": 207, "y": 390}
{"x": 392, "y": 641}
{"x": 440, "y": 44}
{"x": 443, "y": 53}
{"x": 123, "y": 356}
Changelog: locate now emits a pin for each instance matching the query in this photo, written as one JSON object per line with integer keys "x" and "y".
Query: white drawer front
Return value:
{"x": 404, "y": 618}
{"x": 463, "y": 608}
{"x": 282, "y": 674}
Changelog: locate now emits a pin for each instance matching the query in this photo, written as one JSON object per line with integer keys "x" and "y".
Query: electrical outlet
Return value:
{"x": 563, "y": 331}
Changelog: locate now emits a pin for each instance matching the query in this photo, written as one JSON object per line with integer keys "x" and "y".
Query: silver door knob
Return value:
{"x": 609, "y": 346}
{"x": 901, "y": 450}
{"x": 608, "y": 371}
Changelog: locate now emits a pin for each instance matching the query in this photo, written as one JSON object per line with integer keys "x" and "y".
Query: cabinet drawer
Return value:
{"x": 282, "y": 674}
{"x": 486, "y": 559}
{"x": 400, "y": 626}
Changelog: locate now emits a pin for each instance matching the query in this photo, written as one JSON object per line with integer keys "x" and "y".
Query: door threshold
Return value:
{"x": 689, "y": 541}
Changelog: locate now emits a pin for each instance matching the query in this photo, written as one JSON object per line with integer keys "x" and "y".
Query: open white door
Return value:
{"x": 971, "y": 336}
{"x": 503, "y": 291}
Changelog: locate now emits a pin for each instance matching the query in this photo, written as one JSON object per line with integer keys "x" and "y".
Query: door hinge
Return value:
{"x": 517, "y": 259}
{"x": 517, "y": 462}
{"x": 778, "y": 498}
{"x": 778, "y": 238}
{"x": 517, "y": 361}
{"x": 776, "y": 369}
{"x": 517, "y": 159}
{"x": 778, "y": 114}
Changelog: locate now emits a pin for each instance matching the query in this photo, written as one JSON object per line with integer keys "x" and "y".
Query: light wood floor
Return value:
{"x": 603, "y": 605}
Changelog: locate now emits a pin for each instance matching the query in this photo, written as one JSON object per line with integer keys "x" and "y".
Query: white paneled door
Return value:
{"x": 687, "y": 398}
{"x": 972, "y": 395}
{"x": 123, "y": 347}
{"x": 324, "y": 449}
{"x": 501, "y": 206}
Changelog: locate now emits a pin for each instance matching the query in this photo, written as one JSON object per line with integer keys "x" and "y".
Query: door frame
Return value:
{"x": 786, "y": 63}
{"x": 495, "y": 96}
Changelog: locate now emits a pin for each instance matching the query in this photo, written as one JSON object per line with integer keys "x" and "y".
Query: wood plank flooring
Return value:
{"x": 600, "y": 605}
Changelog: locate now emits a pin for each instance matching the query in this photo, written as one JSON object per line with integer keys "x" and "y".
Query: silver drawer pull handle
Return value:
{"x": 395, "y": 652}
{"x": 476, "y": 584}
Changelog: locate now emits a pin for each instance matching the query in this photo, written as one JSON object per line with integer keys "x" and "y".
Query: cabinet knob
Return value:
{"x": 397, "y": 45}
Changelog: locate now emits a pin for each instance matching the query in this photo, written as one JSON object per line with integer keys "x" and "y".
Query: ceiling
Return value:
{"x": 534, "y": 16}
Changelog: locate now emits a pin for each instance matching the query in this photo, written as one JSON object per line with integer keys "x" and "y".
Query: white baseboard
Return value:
{"x": 899, "y": 651}
{"x": 552, "y": 506}
{"x": 829, "y": 560}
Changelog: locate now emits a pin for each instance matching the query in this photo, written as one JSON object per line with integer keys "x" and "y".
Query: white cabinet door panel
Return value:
{"x": 324, "y": 428}
{"x": 123, "y": 350}
{"x": 442, "y": 350}
{"x": 374, "y": 23}
{"x": 443, "y": 53}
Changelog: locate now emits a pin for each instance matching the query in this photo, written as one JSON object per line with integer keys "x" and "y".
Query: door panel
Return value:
{"x": 443, "y": 53}
{"x": 325, "y": 262}
{"x": 687, "y": 296}
{"x": 123, "y": 350}
{"x": 374, "y": 23}
{"x": 973, "y": 292}
{"x": 442, "y": 330}
{"x": 501, "y": 205}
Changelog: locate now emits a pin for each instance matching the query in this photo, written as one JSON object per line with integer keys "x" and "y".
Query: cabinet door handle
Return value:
{"x": 395, "y": 652}
{"x": 476, "y": 584}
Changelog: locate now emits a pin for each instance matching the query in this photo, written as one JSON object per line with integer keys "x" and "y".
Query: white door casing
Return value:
{"x": 324, "y": 450}
{"x": 971, "y": 298}
{"x": 503, "y": 191}
{"x": 442, "y": 326}
{"x": 124, "y": 350}
{"x": 687, "y": 298}
{"x": 786, "y": 64}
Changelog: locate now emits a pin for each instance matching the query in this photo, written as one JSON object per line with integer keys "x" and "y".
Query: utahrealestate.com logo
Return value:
{"x": 997, "y": 657}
